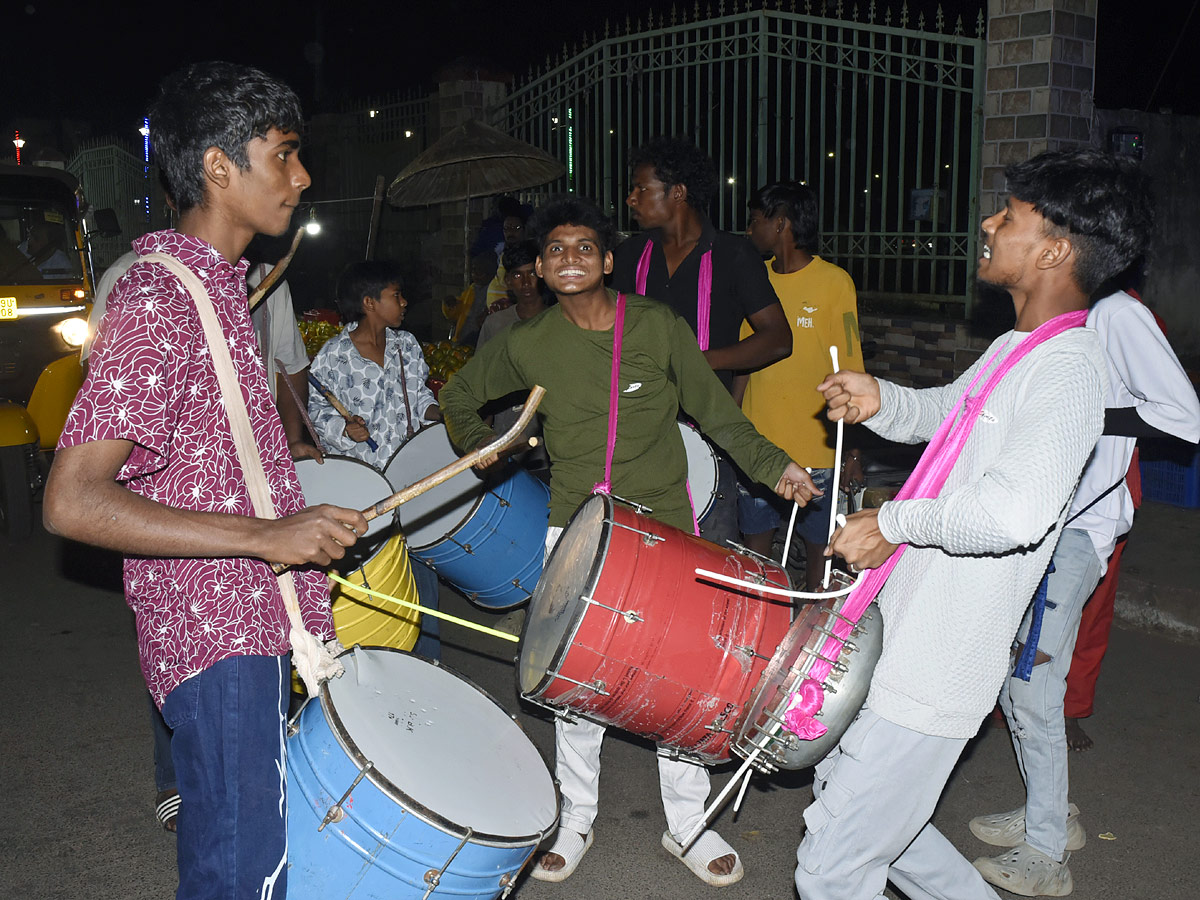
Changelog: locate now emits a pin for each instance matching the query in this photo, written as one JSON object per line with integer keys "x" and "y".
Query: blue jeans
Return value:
{"x": 228, "y": 748}
{"x": 1034, "y": 709}
{"x": 760, "y": 509}
{"x": 429, "y": 642}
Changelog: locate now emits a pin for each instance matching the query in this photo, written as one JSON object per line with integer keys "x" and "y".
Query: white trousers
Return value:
{"x": 1034, "y": 708}
{"x": 684, "y": 786}
{"x": 869, "y": 822}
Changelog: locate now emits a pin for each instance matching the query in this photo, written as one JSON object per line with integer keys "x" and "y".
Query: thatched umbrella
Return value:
{"x": 473, "y": 160}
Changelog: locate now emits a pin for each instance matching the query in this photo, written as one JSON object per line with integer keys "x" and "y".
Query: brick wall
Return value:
{"x": 1041, "y": 60}
{"x": 918, "y": 352}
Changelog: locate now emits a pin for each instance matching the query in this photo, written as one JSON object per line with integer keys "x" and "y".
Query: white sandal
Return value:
{"x": 708, "y": 846}
{"x": 571, "y": 847}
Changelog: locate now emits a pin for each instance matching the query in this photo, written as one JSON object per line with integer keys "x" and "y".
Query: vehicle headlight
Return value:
{"x": 73, "y": 331}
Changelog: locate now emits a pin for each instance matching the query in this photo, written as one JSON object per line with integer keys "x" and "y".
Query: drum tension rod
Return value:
{"x": 750, "y": 651}
{"x": 648, "y": 538}
{"x": 464, "y": 547}
{"x": 434, "y": 876}
{"x": 627, "y": 614}
{"x": 559, "y": 713}
{"x": 717, "y": 726}
{"x": 848, "y": 646}
{"x": 336, "y": 813}
{"x": 292, "y": 727}
{"x": 597, "y": 686}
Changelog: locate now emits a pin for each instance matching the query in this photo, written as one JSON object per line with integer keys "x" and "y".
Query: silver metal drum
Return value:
{"x": 845, "y": 688}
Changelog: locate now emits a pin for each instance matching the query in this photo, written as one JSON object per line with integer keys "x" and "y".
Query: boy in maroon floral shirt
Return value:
{"x": 147, "y": 465}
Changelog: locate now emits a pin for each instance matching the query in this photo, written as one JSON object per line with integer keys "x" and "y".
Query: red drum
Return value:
{"x": 621, "y": 630}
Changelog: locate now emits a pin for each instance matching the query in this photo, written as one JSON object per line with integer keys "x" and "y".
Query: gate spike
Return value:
{"x": 921, "y": 20}
{"x": 979, "y": 24}
{"x": 939, "y": 19}
{"x": 854, "y": 13}
{"x": 673, "y": 15}
{"x": 871, "y": 12}
{"x": 958, "y": 28}
{"x": 904, "y": 14}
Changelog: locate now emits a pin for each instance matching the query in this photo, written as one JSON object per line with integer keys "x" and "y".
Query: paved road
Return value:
{"x": 78, "y": 783}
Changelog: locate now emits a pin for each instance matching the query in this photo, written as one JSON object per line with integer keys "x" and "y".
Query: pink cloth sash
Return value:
{"x": 926, "y": 481}
{"x": 703, "y": 290}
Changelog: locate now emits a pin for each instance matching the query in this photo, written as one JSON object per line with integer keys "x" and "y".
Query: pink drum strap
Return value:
{"x": 926, "y": 481}
{"x": 703, "y": 290}
{"x": 605, "y": 486}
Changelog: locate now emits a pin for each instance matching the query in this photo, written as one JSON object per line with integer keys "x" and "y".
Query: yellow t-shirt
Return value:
{"x": 781, "y": 400}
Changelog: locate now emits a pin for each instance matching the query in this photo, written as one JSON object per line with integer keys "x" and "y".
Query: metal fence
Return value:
{"x": 879, "y": 112}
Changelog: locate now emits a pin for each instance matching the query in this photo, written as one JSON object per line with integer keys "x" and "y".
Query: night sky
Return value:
{"x": 98, "y": 61}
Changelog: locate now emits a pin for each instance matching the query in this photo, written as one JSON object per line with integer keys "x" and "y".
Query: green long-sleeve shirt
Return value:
{"x": 662, "y": 370}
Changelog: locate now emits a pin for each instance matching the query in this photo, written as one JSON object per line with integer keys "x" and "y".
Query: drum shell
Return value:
{"x": 385, "y": 843}
{"x": 495, "y": 556}
{"x": 491, "y": 533}
{"x": 678, "y": 676}
{"x": 359, "y": 618}
{"x": 850, "y": 681}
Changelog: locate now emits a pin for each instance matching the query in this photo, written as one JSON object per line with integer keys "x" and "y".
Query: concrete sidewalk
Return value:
{"x": 1159, "y": 586}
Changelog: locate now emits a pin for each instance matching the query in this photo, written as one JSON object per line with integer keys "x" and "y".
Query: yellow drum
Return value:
{"x": 379, "y": 561}
{"x": 359, "y": 618}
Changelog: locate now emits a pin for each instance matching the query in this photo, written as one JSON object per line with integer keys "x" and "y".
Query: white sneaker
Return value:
{"x": 1008, "y": 829}
{"x": 1027, "y": 871}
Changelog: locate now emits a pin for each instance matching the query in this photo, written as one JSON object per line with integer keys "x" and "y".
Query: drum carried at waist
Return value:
{"x": 762, "y": 734}
{"x": 621, "y": 631}
{"x": 485, "y": 536}
{"x": 379, "y": 561}
{"x": 407, "y": 781}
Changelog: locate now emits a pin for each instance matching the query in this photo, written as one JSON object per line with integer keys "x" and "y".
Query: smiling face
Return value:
{"x": 267, "y": 192}
{"x": 1014, "y": 238}
{"x": 571, "y": 262}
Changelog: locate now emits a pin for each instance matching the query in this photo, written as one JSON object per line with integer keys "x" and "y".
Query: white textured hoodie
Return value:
{"x": 977, "y": 552}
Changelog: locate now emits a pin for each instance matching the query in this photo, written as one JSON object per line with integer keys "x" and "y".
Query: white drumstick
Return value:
{"x": 837, "y": 477}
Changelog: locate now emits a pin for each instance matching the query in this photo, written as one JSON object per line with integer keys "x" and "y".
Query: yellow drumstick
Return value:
{"x": 474, "y": 626}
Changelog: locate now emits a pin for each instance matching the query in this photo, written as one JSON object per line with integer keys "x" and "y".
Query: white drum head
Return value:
{"x": 346, "y": 482}
{"x": 441, "y": 742}
{"x": 431, "y": 516}
{"x": 701, "y": 469}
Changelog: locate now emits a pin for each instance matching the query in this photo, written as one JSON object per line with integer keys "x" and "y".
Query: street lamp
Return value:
{"x": 18, "y": 142}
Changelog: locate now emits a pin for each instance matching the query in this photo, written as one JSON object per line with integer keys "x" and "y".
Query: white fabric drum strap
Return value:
{"x": 312, "y": 660}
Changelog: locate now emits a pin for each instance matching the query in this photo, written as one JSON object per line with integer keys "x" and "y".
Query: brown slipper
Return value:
{"x": 166, "y": 809}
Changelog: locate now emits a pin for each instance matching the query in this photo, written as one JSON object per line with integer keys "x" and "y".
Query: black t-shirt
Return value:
{"x": 740, "y": 286}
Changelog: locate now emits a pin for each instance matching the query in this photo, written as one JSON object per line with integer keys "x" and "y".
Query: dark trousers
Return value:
{"x": 228, "y": 749}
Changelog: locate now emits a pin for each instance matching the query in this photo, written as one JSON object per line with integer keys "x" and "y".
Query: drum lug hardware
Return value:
{"x": 627, "y": 614}
{"x": 566, "y": 715}
{"x": 717, "y": 727}
{"x": 597, "y": 685}
{"x": 508, "y": 883}
{"x": 292, "y": 726}
{"x": 336, "y": 813}
{"x": 434, "y": 876}
{"x": 503, "y": 502}
{"x": 644, "y": 510}
{"x": 750, "y": 651}
{"x": 466, "y": 548}
{"x": 647, "y": 538}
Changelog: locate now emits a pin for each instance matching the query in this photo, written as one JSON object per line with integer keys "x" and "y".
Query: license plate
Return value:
{"x": 8, "y": 307}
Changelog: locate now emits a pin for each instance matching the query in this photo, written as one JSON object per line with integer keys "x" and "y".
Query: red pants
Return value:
{"x": 1096, "y": 621}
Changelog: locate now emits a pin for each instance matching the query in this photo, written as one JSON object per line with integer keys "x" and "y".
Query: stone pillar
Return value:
{"x": 463, "y": 92}
{"x": 1041, "y": 59}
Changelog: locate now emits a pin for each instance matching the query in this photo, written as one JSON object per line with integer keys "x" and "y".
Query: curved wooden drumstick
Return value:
{"x": 276, "y": 273}
{"x": 506, "y": 440}
{"x": 336, "y": 404}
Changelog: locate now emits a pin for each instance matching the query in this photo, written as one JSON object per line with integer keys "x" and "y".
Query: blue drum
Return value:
{"x": 407, "y": 781}
{"x": 485, "y": 536}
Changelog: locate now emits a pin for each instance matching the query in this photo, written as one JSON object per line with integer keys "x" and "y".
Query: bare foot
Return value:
{"x": 1077, "y": 738}
{"x": 723, "y": 865}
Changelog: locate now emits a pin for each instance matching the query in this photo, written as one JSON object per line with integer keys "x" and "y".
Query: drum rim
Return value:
{"x": 593, "y": 579}
{"x": 386, "y": 530}
{"x": 405, "y": 800}
{"x": 714, "y": 458}
{"x": 781, "y": 663}
{"x": 461, "y": 522}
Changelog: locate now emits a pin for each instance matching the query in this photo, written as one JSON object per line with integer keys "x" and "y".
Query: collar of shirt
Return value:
{"x": 195, "y": 253}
